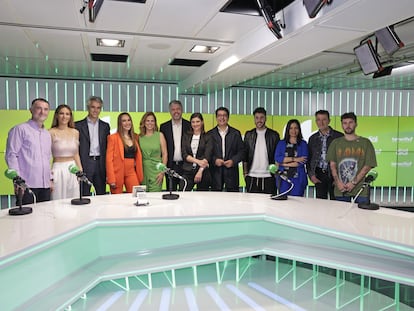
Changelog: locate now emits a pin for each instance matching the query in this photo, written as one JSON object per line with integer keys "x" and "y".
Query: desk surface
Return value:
{"x": 55, "y": 218}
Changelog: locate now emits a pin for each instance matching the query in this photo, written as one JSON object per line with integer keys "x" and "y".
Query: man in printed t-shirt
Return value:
{"x": 351, "y": 157}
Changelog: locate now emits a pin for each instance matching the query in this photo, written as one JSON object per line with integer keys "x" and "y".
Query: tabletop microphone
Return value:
{"x": 370, "y": 177}
{"x": 17, "y": 180}
{"x": 273, "y": 169}
{"x": 163, "y": 168}
{"x": 81, "y": 175}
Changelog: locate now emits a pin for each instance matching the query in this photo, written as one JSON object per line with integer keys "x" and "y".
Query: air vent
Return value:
{"x": 187, "y": 62}
{"x": 116, "y": 58}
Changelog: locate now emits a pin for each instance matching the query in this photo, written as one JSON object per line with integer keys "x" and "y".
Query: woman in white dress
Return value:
{"x": 65, "y": 151}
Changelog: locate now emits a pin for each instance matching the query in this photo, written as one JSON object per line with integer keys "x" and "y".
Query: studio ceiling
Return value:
{"x": 52, "y": 39}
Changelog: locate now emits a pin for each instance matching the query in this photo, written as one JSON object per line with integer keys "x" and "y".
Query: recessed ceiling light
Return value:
{"x": 204, "y": 49}
{"x": 110, "y": 42}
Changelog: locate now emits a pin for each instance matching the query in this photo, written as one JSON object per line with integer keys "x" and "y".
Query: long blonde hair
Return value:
{"x": 55, "y": 122}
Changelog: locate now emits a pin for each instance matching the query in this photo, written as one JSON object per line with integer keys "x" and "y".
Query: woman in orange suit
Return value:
{"x": 123, "y": 157}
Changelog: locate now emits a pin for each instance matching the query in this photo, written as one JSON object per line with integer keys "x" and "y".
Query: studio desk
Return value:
{"x": 50, "y": 258}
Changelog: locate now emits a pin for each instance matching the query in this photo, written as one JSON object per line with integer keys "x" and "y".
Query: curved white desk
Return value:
{"x": 60, "y": 244}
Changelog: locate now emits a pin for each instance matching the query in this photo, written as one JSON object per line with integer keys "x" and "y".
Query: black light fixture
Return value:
{"x": 368, "y": 58}
{"x": 383, "y": 73}
{"x": 269, "y": 15}
{"x": 389, "y": 40}
{"x": 314, "y": 6}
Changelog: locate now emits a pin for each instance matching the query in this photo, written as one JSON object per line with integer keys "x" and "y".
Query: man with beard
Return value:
{"x": 259, "y": 144}
{"x": 351, "y": 157}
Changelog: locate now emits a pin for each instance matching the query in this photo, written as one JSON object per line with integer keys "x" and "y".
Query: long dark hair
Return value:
{"x": 131, "y": 132}
{"x": 200, "y": 116}
{"x": 287, "y": 136}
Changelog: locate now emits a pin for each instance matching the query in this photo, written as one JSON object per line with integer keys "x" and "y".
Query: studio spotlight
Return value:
{"x": 94, "y": 7}
{"x": 383, "y": 73}
{"x": 368, "y": 58}
{"x": 389, "y": 40}
{"x": 314, "y": 6}
{"x": 269, "y": 15}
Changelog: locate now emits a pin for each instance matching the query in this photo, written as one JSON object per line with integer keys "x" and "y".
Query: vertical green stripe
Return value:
{"x": 127, "y": 96}
{"x": 56, "y": 93}
{"x": 17, "y": 95}
{"x": 120, "y": 98}
{"x": 136, "y": 97}
{"x": 66, "y": 93}
{"x": 27, "y": 94}
{"x": 110, "y": 97}
{"x": 7, "y": 95}
{"x": 153, "y": 98}
{"x": 74, "y": 96}
{"x": 145, "y": 98}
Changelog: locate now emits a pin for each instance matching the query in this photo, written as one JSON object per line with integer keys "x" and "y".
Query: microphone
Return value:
{"x": 162, "y": 168}
{"x": 371, "y": 176}
{"x": 273, "y": 169}
{"x": 17, "y": 180}
{"x": 81, "y": 175}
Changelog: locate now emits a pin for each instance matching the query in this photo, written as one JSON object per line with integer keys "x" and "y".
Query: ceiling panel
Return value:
{"x": 17, "y": 43}
{"x": 63, "y": 13}
{"x": 221, "y": 26}
{"x": 120, "y": 16}
{"x": 181, "y": 18}
{"x": 50, "y": 38}
{"x": 69, "y": 45}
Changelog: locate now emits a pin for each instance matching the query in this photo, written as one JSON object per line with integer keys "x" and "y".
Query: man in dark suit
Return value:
{"x": 173, "y": 131}
{"x": 228, "y": 151}
{"x": 93, "y": 134}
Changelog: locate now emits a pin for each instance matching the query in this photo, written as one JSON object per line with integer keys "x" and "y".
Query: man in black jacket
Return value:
{"x": 93, "y": 133}
{"x": 318, "y": 168}
{"x": 228, "y": 151}
{"x": 259, "y": 145}
{"x": 173, "y": 131}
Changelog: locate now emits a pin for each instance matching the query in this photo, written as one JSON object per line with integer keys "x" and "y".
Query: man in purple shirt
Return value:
{"x": 28, "y": 151}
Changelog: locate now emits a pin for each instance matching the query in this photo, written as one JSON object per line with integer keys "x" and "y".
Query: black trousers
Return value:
{"x": 203, "y": 185}
{"x": 325, "y": 188}
{"x": 260, "y": 184}
{"x": 177, "y": 166}
{"x": 96, "y": 175}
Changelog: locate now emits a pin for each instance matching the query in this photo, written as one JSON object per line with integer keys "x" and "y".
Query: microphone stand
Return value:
{"x": 368, "y": 205}
{"x": 80, "y": 200}
{"x": 170, "y": 196}
{"x": 21, "y": 210}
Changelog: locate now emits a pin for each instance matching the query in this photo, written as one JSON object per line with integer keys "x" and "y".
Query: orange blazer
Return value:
{"x": 115, "y": 161}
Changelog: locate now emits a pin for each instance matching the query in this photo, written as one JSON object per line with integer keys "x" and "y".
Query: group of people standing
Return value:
{"x": 206, "y": 160}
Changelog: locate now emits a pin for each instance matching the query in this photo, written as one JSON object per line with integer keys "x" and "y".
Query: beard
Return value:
{"x": 349, "y": 131}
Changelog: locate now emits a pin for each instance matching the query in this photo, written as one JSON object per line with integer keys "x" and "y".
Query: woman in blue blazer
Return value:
{"x": 291, "y": 155}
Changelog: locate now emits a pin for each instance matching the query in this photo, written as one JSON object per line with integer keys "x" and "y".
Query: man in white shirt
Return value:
{"x": 93, "y": 134}
{"x": 173, "y": 131}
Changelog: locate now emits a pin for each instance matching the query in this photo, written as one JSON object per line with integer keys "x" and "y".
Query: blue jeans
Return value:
{"x": 348, "y": 199}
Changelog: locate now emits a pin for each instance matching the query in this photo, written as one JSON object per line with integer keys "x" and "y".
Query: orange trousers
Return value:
{"x": 130, "y": 178}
